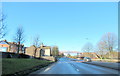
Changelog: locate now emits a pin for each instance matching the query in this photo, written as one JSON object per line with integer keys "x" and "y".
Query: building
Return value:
{"x": 30, "y": 50}
{"x": 6, "y": 46}
{"x": 46, "y": 50}
{"x": 38, "y": 52}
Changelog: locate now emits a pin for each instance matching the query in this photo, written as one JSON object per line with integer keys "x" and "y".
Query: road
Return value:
{"x": 66, "y": 66}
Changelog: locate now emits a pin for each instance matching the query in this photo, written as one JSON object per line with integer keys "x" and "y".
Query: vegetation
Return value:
{"x": 107, "y": 43}
{"x": 107, "y": 55}
{"x": 106, "y": 48}
{"x": 55, "y": 51}
{"x": 87, "y": 47}
{"x": 2, "y": 26}
{"x": 61, "y": 55}
{"x": 68, "y": 55}
{"x": 19, "y": 37}
{"x": 74, "y": 57}
{"x": 12, "y": 65}
{"x": 36, "y": 43}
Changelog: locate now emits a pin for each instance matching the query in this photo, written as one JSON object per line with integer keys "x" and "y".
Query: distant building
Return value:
{"x": 41, "y": 51}
{"x": 6, "y": 46}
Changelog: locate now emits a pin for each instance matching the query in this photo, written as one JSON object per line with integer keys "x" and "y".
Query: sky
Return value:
{"x": 69, "y": 25}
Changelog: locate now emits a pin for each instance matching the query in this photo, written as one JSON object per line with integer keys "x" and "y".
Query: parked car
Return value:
{"x": 87, "y": 59}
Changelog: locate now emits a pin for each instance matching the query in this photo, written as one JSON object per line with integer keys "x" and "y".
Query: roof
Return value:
{"x": 45, "y": 47}
{"x": 9, "y": 43}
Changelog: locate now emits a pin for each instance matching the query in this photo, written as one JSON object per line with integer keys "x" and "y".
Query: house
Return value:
{"x": 46, "y": 49}
{"x": 6, "y": 46}
{"x": 38, "y": 52}
{"x": 30, "y": 50}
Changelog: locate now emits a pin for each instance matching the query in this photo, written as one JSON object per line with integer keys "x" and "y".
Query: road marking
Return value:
{"x": 77, "y": 69}
{"x": 46, "y": 69}
{"x": 50, "y": 67}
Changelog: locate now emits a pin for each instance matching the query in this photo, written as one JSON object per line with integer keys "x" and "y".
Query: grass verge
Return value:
{"x": 12, "y": 66}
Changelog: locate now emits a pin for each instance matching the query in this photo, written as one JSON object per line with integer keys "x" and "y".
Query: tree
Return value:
{"x": 62, "y": 54}
{"x": 36, "y": 43}
{"x": 109, "y": 40}
{"x": 68, "y": 55}
{"x": 19, "y": 37}
{"x": 2, "y": 26}
{"x": 88, "y": 47}
{"x": 101, "y": 49}
{"x": 55, "y": 51}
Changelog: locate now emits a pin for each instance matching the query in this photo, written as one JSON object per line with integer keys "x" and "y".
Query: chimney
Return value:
{"x": 5, "y": 40}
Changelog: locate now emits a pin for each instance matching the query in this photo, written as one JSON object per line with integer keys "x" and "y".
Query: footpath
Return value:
{"x": 110, "y": 65}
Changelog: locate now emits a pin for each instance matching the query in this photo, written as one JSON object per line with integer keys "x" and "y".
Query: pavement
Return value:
{"x": 67, "y": 66}
{"x": 110, "y": 65}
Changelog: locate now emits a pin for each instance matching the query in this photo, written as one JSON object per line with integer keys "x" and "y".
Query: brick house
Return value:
{"x": 6, "y": 46}
{"x": 30, "y": 50}
{"x": 41, "y": 51}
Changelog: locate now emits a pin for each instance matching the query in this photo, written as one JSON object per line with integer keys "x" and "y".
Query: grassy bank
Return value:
{"x": 11, "y": 66}
{"x": 106, "y": 60}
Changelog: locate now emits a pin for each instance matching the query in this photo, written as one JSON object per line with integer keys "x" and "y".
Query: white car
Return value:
{"x": 87, "y": 59}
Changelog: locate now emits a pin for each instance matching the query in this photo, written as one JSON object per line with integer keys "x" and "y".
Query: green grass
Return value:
{"x": 10, "y": 66}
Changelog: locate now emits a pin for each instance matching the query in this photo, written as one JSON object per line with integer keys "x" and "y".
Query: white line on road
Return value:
{"x": 49, "y": 67}
{"x": 46, "y": 69}
{"x": 77, "y": 69}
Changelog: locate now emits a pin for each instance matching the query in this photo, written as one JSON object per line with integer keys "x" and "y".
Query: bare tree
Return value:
{"x": 2, "y": 26}
{"x": 110, "y": 41}
{"x": 101, "y": 47}
{"x": 36, "y": 43}
{"x": 87, "y": 47}
{"x": 55, "y": 51}
{"x": 19, "y": 37}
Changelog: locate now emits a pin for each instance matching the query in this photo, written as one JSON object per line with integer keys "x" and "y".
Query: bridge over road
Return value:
{"x": 72, "y": 53}
{"x": 77, "y": 53}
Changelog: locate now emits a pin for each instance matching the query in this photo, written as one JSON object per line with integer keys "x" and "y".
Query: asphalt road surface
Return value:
{"x": 66, "y": 66}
